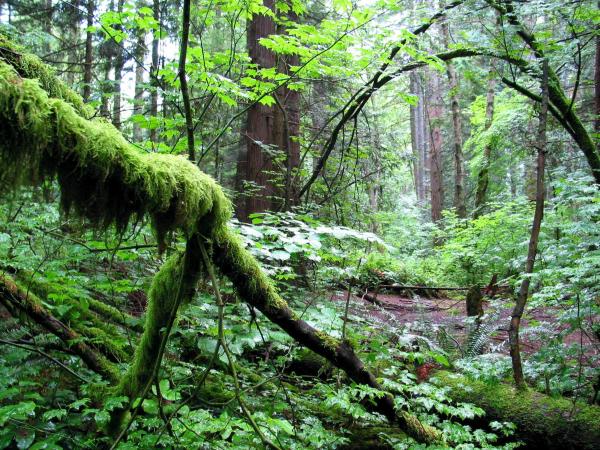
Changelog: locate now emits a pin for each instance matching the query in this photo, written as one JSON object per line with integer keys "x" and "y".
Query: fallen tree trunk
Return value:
{"x": 542, "y": 422}
{"x": 252, "y": 285}
{"x": 16, "y": 300}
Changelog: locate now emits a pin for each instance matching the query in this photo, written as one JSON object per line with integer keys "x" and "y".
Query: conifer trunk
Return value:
{"x": 154, "y": 70}
{"x": 435, "y": 111}
{"x": 459, "y": 163}
{"x": 483, "y": 177}
{"x": 89, "y": 52}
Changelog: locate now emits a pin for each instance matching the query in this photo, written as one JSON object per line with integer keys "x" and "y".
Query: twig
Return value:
{"x": 221, "y": 306}
{"x": 51, "y": 358}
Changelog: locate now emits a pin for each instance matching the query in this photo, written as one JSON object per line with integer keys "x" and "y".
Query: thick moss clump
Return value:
{"x": 542, "y": 422}
{"x": 162, "y": 301}
{"x": 30, "y": 66}
{"x": 102, "y": 177}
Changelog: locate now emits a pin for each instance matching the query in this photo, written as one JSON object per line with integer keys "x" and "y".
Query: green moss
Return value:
{"x": 102, "y": 177}
{"x": 549, "y": 422}
{"x": 30, "y": 66}
{"x": 117, "y": 316}
{"x": 258, "y": 283}
{"x": 418, "y": 430}
{"x": 161, "y": 301}
{"x": 108, "y": 344}
{"x": 329, "y": 341}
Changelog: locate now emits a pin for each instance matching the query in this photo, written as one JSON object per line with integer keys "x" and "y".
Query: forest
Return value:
{"x": 284, "y": 224}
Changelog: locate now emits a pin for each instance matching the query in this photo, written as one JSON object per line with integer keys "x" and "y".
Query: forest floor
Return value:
{"x": 418, "y": 315}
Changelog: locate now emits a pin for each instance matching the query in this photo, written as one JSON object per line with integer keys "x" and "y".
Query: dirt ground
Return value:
{"x": 449, "y": 314}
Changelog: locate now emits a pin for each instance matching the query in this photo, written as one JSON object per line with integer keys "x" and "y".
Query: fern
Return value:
{"x": 480, "y": 333}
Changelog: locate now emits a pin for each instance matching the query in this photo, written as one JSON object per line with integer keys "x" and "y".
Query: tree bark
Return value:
{"x": 89, "y": 52}
{"x": 73, "y": 36}
{"x": 459, "y": 163}
{"x": 185, "y": 92}
{"x": 418, "y": 133}
{"x": 255, "y": 163}
{"x": 597, "y": 90}
{"x": 270, "y": 129}
{"x": 154, "y": 71}
{"x": 118, "y": 68}
{"x": 288, "y": 126}
{"x": 18, "y": 300}
{"x": 435, "y": 111}
{"x": 483, "y": 177}
{"x": 138, "y": 97}
{"x": 513, "y": 332}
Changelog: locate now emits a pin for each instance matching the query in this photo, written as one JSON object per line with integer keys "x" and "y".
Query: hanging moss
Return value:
{"x": 30, "y": 66}
{"x": 102, "y": 177}
{"x": 162, "y": 298}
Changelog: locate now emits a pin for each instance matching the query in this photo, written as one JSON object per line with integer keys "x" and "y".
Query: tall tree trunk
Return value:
{"x": 374, "y": 186}
{"x": 290, "y": 132}
{"x": 138, "y": 97}
{"x": 106, "y": 86}
{"x": 418, "y": 133}
{"x": 154, "y": 71}
{"x": 89, "y": 51}
{"x": 597, "y": 90}
{"x": 435, "y": 111}
{"x": 118, "y": 68}
{"x": 256, "y": 163}
{"x": 483, "y": 177}
{"x": 185, "y": 93}
{"x": 73, "y": 36}
{"x": 47, "y": 24}
{"x": 459, "y": 163}
{"x": 513, "y": 332}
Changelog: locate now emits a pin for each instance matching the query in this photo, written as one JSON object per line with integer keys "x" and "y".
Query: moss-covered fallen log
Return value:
{"x": 255, "y": 288}
{"x": 20, "y": 301}
{"x": 542, "y": 422}
{"x": 110, "y": 182}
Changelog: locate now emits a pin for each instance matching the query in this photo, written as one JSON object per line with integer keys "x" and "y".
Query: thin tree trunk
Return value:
{"x": 417, "y": 124}
{"x": 89, "y": 52}
{"x": 185, "y": 93}
{"x": 374, "y": 187}
{"x": 118, "y": 68}
{"x": 154, "y": 72}
{"x": 459, "y": 163}
{"x": 597, "y": 90}
{"x": 483, "y": 178}
{"x": 73, "y": 36}
{"x": 138, "y": 98}
{"x": 106, "y": 84}
{"x": 513, "y": 332}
